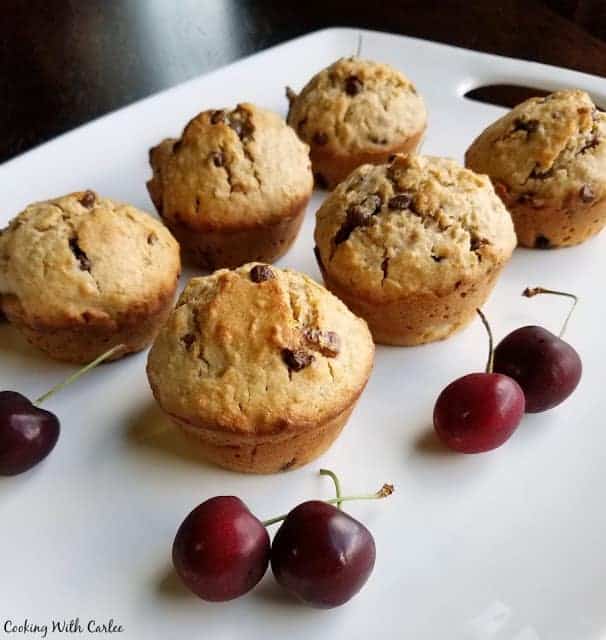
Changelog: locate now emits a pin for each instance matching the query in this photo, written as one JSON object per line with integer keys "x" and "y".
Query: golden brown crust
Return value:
{"x": 234, "y": 186}
{"x": 356, "y": 112}
{"x": 421, "y": 318}
{"x": 281, "y": 452}
{"x": 547, "y": 160}
{"x": 81, "y": 343}
{"x": 413, "y": 246}
{"x": 259, "y": 352}
{"x": 217, "y": 249}
{"x": 81, "y": 272}
{"x": 548, "y": 225}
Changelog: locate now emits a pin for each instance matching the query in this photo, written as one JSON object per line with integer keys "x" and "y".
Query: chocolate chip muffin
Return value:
{"x": 413, "y": 246}
{"x": 547, "y": 161}
{"x": 80, "y": 274}
{"x": 263, "y": 366}
{"x": 233, "y": 188}
{"x": 356, "y": 112}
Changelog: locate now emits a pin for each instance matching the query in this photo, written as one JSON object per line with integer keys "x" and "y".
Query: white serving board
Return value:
{"x": 505, "y": 545}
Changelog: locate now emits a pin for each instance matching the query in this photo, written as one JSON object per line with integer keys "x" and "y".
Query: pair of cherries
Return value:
{"x": 531, "y": 370}
{"x": 27, "y": 432}
{"x": 320, "y": 554}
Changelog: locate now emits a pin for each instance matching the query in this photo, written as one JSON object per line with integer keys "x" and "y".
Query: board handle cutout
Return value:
{"x": 509, "y": 95}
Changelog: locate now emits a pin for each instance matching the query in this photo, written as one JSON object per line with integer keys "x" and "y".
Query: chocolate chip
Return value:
{"x": 297, "y": 359}
{"x": 188, "y": 339}
{"x": 343, "y": 233}
{"x": 88, "y": 199}
{"x": 152, "y": 238}
{"x": 436, "y": 258}
{"x": 376, "y": 140}
{"x": 475, "y": 243}
{"x": 217, "y": 158}
{"x": 590, "y": 144}
{"x": 79, "y": 254}
{"x": 541, "y": 175}
{"x": 327, "y": 343}
{"x": 530, "y": 126}
{"x": 261, "y": 273}
{"x": 385, "y": 267}
{"x": 401, "y": 201}
{"x": 217, "y": 116}
{"x": 358, "y": 215}
{"x": 353, "y": 85}
{"x": 541, "y": 242}
{"x": 586, "y": 193}
{"x": 320, "y": 138}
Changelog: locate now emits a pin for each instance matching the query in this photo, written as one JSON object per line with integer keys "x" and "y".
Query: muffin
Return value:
{"x": 262, "y": 366}
{"x": 414, "y": 246}
{"x": 356, "y": 112}
{"x": 233, "y": 188}
{"x": 80, "y": 274}
{"x": 547, "y": 161}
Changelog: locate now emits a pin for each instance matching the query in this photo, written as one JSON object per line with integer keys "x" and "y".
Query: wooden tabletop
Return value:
{"x": 64, "y": 62}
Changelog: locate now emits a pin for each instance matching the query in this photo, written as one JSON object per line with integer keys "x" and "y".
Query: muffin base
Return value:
{"x": 216, "y": 249}
{"x": 330, "y": 168}
{"x": 266, "y": 454}
{"x": 420, "y": 318}
{"x": 82, "y": 342}
{"x": 551, "y": 226}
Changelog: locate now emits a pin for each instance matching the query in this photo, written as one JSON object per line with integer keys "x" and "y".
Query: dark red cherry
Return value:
{"x": 27, "y": 433}
{"x": 546, "y": 367}
{"x": 322, "y": 555}
{"x": 478, "y": 412}
{"x": 221, "y": 550}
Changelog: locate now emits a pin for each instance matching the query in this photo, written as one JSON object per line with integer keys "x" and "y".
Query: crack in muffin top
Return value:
{"x": 259, "y": 354}
{"x": 229, "y": 169}
{"x": 545, "y": 150}
{"x": 417, "y": 225}
{"x": 84, "y": 256}
{"x": 357, "y": 105}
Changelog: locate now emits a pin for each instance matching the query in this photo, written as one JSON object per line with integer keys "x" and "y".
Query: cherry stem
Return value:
{"x": 78, "y": 374}
{"x": 490, "y": 363}
{"x": 335, "y": 479}
{"x": 530, "y": 292}
{"x": 383, "y": 492}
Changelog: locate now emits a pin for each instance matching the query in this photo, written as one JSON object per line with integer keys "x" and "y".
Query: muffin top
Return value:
{"x": 545, "y": 150}
{"x": 231, "y": 169}
{"x": 355, "y": 106}
{"x": 85, "y": 258}
{"x": 259, "y": 350}
{"x": 417, "y": 225}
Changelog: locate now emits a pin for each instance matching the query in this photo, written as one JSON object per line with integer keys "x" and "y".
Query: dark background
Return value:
{"x": 64, "y": 62}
